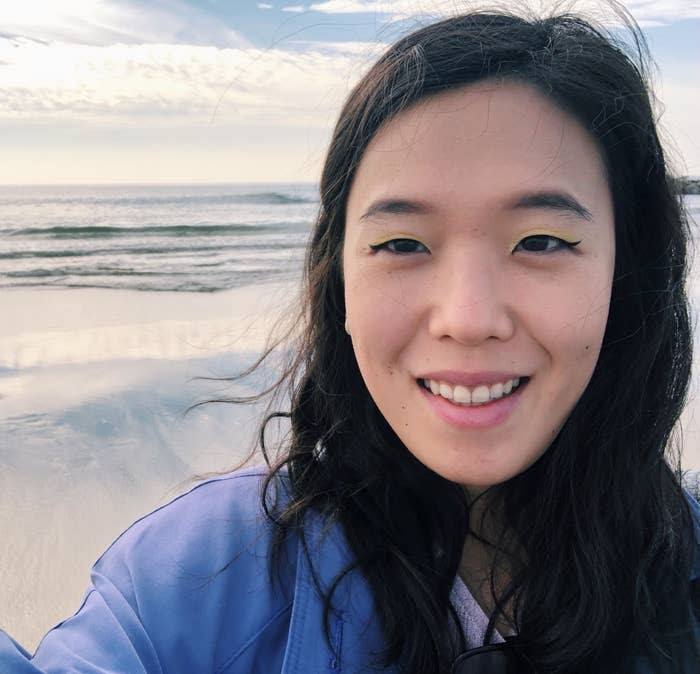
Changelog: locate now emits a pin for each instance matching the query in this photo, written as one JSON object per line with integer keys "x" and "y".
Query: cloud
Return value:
{"x": 345, "y": 7}
{"x": 293, "y": 8}
{"x": 163, "y": 84}
{"x": 367, "y": 52}
{"x": 664, "y": 11}
{"x": 264, "y": 5}
{"x": 351, "y": 6}
{"x": 657, "y": 12}
{"x": 106, "y": 22}
{"x": 680, "y": 95}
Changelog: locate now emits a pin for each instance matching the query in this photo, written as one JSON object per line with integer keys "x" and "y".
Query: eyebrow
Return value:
{"x": 548, "y": 200}
{"x": 554, "y": 201}
{"x": 396, "y": 207}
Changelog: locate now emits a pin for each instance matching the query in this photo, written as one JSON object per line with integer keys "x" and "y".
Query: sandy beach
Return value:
{"x": 94, "y": 385}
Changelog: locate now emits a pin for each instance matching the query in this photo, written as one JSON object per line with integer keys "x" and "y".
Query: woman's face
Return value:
{"x": 478, "y": 261}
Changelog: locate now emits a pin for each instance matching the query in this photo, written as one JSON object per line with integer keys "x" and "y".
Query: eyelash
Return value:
{"x": 559, "y": 244}
{"x": 390, "y": 245}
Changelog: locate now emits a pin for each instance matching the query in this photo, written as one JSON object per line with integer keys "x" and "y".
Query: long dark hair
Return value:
{"x": 602, "y": 526}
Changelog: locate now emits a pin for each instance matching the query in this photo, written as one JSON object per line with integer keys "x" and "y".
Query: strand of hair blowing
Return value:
{"x": 601, "y": 526}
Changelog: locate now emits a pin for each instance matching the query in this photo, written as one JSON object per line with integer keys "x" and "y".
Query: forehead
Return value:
{"x": 478, "y": 146}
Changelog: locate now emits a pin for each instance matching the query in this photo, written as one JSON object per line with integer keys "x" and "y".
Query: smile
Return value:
{"x": 481, "y": 394}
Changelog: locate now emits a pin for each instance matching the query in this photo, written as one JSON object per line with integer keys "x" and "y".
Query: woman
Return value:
{"x": 495, "y": 350}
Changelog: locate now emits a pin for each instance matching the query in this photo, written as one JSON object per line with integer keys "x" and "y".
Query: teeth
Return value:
{"x": 480, "y": 394}
{"x": 462, "y": 394}
{"x": 477, "y": 395}
{"x": 446, "y": 391}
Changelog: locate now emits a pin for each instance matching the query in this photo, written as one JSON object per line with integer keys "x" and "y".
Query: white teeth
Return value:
{"x": 477, "y": 395}
{"x": 446, "y": 391}
{"x": 481, "y": 394}
{"x": 462, "y": 394}
{"x": 496, "y": 391}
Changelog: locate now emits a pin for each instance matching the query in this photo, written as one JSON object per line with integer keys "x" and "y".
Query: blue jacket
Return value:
{"x": 185, "y": 590}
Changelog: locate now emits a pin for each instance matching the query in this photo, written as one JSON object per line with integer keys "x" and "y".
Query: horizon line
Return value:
{"x": 175, "y": 183}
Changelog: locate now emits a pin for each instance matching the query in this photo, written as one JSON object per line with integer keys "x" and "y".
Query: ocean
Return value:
{"x": 197, "y": 238}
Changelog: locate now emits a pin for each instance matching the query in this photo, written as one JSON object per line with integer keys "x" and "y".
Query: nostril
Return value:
{"x": 473, "y": 323}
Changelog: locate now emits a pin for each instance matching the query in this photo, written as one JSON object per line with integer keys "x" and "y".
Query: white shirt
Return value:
{"x": 471, "y": 616}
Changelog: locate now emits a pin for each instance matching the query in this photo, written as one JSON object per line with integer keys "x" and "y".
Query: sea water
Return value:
{"x": 143, "y": 237}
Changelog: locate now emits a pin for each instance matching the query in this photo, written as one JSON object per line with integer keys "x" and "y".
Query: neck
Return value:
{"x": 481, "y": 568}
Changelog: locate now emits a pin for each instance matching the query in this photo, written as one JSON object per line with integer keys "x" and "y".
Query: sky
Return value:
{"x": 196, "y": 91}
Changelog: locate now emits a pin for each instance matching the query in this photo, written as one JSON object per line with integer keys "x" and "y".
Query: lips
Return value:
{"x": 479, "y": 394}
{"x": 480, "y": 412}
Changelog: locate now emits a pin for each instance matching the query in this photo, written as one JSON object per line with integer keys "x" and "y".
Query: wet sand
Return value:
{"x": 94, "y": 389}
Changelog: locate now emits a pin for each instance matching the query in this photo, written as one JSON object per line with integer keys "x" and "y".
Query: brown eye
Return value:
{"x": 401, "y": 246}
{"x": 544, "y": 243}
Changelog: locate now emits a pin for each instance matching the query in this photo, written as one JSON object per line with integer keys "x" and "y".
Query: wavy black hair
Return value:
{"x": 601, "y": 524}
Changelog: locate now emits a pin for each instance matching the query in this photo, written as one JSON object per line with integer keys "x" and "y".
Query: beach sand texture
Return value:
{"x": 94, "y": 385}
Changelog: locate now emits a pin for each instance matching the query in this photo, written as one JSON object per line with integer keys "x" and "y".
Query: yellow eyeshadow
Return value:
{"x": 384, "y": 239}
{"x": 564, "y": 236}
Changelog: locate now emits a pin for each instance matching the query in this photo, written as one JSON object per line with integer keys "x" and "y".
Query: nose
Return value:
{"x": 471, "y": 302}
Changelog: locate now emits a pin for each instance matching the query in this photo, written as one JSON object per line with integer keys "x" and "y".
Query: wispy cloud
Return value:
{"x": 293, "y": 8}
{"x": 264, "y": 5}
{"x": 647, "y": 12}
{"x": 366, "y": 52}
{"x": 664, "y": 11}
{"x": 133, "y": 68}
{"x": 350, "y": 6}
{"x": 172, "y": 83}
{"x": 106, "y": 22}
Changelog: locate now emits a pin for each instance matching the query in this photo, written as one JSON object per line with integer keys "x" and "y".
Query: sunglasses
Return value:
{"x": 503, "y": 658}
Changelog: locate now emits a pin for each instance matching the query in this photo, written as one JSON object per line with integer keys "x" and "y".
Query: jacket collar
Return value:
{"x": 354, "y": 629}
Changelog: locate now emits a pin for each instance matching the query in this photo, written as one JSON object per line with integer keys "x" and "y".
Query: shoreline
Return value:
{"x": 69, "y": 308}
{"x": 76, "y": 326}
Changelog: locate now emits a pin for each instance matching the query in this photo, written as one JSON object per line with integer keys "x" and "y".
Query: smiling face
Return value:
{"x": 478, "y": 261}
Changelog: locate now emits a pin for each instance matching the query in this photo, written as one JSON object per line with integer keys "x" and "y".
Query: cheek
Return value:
{"x": 381, "y": 311}
{"x": 380, "y": 329}
{"x": 382, "y": 325}
{"x": 572, "y": 323}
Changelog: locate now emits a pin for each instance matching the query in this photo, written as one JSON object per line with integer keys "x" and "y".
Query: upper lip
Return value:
{"x": 456, "y": 378}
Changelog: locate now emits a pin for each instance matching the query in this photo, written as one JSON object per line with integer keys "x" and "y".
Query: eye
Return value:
{"x": 544, "y": 243}
{"x": 400, "y": 246}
